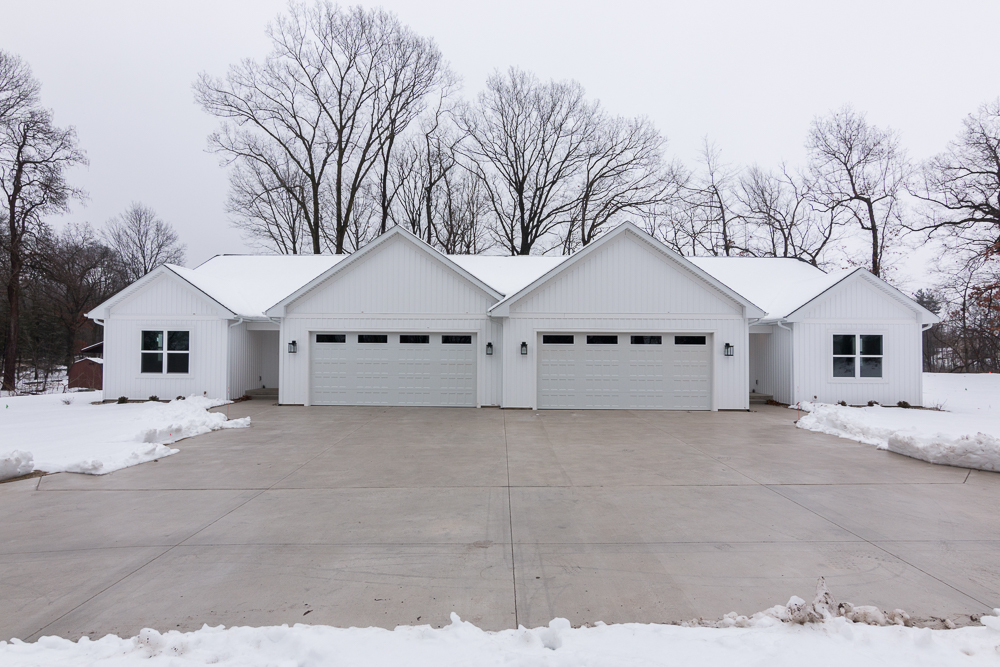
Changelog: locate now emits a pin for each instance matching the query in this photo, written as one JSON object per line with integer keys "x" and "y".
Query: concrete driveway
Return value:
{"x": 368, "y": 516}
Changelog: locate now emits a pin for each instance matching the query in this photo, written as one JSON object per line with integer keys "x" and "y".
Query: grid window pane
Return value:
{"x": 843, "y": 367}
{"x": 843, "y": 344}
{"x": 411, "y": 339}
{"x": 152, "y": 340}
{"x": 177, "y": 362}
{"x": 177, "y": 341}
{"x": 152, "y": 362}
{"x": 871, "y": 345}
{"x": 871, "y": 367}
{"x": 602, "y": 340}
{"x": 456, "y": 340}
{"x": 557, "y": 339}
{"x": 647, "y": 340}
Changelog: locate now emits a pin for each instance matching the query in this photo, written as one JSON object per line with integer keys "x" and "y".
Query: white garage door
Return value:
{"x": 625, "y": 371}
{"x": 393, "y": 369}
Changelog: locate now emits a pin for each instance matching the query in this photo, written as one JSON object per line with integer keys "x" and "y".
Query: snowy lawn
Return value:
{"x": 834, "y": 642}
{"x": 67, "y": 433}
{"x": 966, "y": 433}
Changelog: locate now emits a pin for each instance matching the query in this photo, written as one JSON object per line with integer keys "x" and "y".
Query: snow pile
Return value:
{"x": 68, "y": 433}
{"x": 15, "y": 464}
{"x": 834, "y": 642}
{"x": 967, "y": 435}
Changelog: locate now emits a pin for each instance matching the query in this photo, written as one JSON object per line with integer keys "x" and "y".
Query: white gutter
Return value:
{"x": 925, "y": 327}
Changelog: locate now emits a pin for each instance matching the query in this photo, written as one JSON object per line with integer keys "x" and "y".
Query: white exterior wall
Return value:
{"x": 243, "y": 367}
{"x": 397, "y": 288}
{"x": 168, "y": 303}
{"x": 857, "y": 307}
{"x": 627, "y": 286}
{"x": 771, "y": 357}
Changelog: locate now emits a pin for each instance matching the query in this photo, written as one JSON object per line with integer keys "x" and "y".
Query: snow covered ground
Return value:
{"x": 67, "y": 433}
{"x": 834, "y": 642}
{"x": 965, "y": 433}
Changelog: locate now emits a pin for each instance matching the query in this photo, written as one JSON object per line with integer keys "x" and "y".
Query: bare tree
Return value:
{"x": 859, "y": 172}
{"x": 528, "y": 146}
{"x": 705, "y": 215}
{"x": 34, "y": 156}
{"x": 962, "y": 186}
{"x": 18, "y": 88}
{"x": 781, "y": 217}
{"x": 142, "y": 241}
{"x": 338, "y": 89}
{"x": 623, "y": 172}
{"x": 266, "y": 208}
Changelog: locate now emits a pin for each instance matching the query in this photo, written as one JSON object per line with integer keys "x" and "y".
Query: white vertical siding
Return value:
{"x": 770, "y": 363}
{"x": 253, "y": 359}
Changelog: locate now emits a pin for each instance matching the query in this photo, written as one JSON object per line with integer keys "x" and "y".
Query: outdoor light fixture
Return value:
{"x": 729, "y": 350}
{"x": 293, "y": 347}
{"x": 524, "y": 348}
{"x": 489, "y": 349}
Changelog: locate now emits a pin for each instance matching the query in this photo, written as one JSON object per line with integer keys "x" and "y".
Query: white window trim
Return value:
{"x": 163, "y": 372}
{"x": 857, "y": 379}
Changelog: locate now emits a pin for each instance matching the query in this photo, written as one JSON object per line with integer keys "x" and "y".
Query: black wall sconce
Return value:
{"x": 293, "y": 347}
{"x": 524, "y": 348}
{"x": 489, "y": 349}
{"x": 729, "y": 350}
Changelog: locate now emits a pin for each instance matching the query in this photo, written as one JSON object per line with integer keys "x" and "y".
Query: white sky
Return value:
{"x": 750, "y": 76}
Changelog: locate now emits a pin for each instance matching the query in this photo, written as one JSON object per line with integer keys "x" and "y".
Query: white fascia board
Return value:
{"x": 278, "y": 309}
{"x": 751, "y": 310}
{"x": 924, "y": 316}
{"x": 103, "y": 311}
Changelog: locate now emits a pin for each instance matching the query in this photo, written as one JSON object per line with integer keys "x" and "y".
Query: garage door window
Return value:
{"x": 409, "y": 339}
{"x": 857, "y": 355}
{"x": 689, "y": 340}
{"x": 456, "y": 340}
{"x": 331, "y": 338}
{"x": 557, "y": 340}
{"x": 373, "y": 338}
{"x": 175, "y": 358}
{"x": 602, "y": 340}
{"x": 647, "y": 340}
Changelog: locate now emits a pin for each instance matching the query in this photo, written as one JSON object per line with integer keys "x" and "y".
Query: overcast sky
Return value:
{"x": 750, "y": 76}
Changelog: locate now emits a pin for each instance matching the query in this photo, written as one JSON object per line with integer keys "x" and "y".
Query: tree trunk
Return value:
{"x": 876, "y": 264}
{"x": 13, "y": 323}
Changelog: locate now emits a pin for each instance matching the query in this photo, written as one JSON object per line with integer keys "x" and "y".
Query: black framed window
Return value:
{"x": 373, "y": 338}
{"x": 331, "y": 338}
{"x": 414, "y": 339}
{"x": 647, "y": 340}
{"x": 165, "y": 348}
{"x": 857, "y": 355}
{"x": 457, "y": 340}
{"x": 602, "y": 340}
{"x": 557, "y": 339}
{"x": 689, "y": 340}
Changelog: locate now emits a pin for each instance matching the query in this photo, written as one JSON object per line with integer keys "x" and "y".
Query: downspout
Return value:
{"x": 791, "y": 358}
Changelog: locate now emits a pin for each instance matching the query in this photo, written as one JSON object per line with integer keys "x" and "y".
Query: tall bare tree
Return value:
{"x": 705, "y": 215}
{"x": 34, "y": 157}
{"x": 961, "y": 186}
{"x": 142, "y": 241}
{"x": 266, "y": 208}
{"x": 859, "y": 172}
{"x": 338, "y": 89}
{"x": 528, "y": 145}
{"x": 781, "y": 217}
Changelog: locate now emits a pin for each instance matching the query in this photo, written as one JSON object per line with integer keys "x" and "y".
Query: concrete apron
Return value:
{"x": 399, "y": 516}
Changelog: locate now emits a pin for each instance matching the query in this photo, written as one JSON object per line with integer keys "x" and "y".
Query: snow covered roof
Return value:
{"x": 507, "y": 274}
{"x": 250, "y": 284}
{"x": 779, "y": 285}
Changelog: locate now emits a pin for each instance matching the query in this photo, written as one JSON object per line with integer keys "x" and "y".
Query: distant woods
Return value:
{"x": 51, "y": 280}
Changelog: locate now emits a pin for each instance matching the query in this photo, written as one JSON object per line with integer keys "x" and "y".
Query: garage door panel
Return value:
{"x": 642, "y": 371}
{"x": 394, "y": 372}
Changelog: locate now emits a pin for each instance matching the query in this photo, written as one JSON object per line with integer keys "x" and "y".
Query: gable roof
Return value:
{"x": 278, "y": 308}
{"x": 508, "y": 274}
{"x": 502, "y": 308}
{"x": 783, "y": 286}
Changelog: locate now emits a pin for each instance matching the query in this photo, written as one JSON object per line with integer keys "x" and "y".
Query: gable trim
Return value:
{"x": 502, "y": 308}
{"x": 103, "y": 311}
{"x": 924, "y": 316}
{"x": 279, "y": 309}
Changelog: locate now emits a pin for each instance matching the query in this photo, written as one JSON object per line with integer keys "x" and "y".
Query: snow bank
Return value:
{"x": 834, "y": 642}
{"x": 67, "y": 433}
{"x": 15, "y": 464}
{"x": 967, "y": 435}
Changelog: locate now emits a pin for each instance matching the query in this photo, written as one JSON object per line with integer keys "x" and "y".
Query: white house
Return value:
{"x": 624, "y": 323}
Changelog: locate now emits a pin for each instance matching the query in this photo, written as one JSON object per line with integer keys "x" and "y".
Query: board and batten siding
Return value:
{"x": 396, "y": 288}
{"x": 170, "y": 304}
{"x": 771, "y": 359}
{"x": 857, "y": 307}
{"x": 627, "y": 285}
